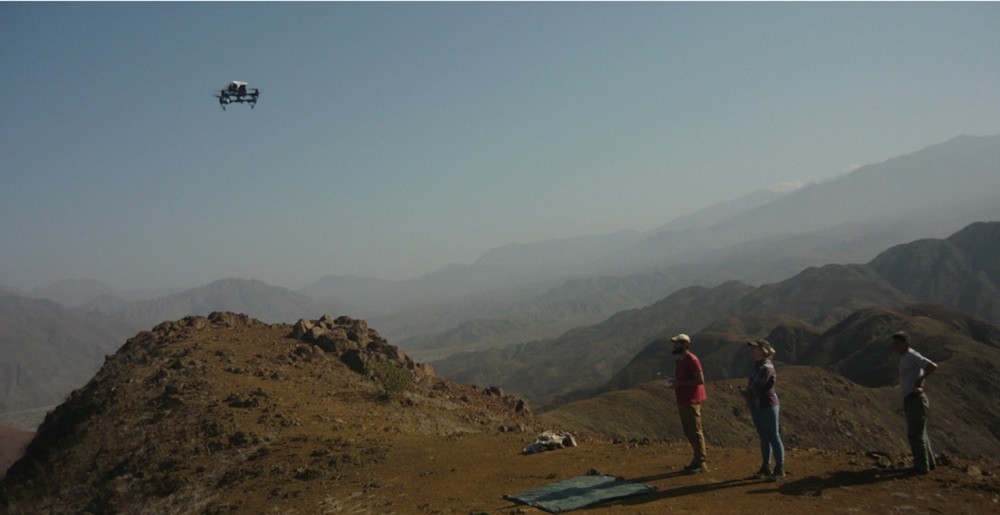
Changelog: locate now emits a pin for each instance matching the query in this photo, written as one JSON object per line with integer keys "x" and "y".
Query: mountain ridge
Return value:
{"x": 900, "y": 188}
{"x": 585, "y": 358}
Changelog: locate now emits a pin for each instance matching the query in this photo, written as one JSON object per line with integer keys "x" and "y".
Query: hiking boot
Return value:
{"x": 775, "y": 476}
{"x": 762, "y": 473}
{"x": 696, "y": 468}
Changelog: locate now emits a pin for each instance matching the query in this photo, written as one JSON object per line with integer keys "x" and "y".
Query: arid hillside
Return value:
{"x": 226, "y": 414}
{"x": 13, "y": 442}
{"x": 848, "y": 375}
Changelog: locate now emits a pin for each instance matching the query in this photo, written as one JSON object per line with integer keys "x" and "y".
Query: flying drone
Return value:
{"x": 237, "y": 92}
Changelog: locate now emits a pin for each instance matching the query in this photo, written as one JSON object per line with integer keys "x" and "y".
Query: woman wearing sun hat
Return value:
{"x": 762, "y": 400}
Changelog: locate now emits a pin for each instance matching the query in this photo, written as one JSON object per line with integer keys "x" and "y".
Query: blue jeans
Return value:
{"x": 766, "y": 421}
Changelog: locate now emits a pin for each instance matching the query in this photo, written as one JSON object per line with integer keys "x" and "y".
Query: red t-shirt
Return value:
{"x": 688, "y": 367}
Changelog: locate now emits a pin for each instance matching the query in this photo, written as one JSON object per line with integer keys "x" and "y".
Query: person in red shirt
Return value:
{"x": 689, "y": 386}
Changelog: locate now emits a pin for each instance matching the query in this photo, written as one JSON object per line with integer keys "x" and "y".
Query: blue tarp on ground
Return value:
{"x": 579, "y": 492}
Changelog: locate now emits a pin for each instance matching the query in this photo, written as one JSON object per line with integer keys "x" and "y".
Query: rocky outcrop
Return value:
{"x": 355, "y": 344}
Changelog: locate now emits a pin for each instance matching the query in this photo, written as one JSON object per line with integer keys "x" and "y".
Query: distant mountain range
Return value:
{"x": 76, "y": 292}
{"x": 265, "y": 302}
{"x": 47, "y": 349}
{"x": 556, "y": 290}
{"x": 761, "y": 238}
{"x": 577, "y": 363}
{"x": 927, "y": 194}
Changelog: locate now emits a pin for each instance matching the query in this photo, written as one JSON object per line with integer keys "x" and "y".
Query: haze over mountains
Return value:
{"x": 809, "y": 303}
{"x": 536, "y": 292}
{"x": 940, "y": 189}
{"x": 930, "y": 193}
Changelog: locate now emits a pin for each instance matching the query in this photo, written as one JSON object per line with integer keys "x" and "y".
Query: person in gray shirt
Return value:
{"x": 914, "y": 368}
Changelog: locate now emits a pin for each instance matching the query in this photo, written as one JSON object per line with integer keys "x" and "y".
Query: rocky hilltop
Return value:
{"x": 225, "y": 412}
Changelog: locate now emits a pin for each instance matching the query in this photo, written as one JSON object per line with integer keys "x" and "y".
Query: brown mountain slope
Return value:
{"x": 715, "y": 347}
{"x": 819, "y": 409}
{"x": 47, "y": 350}
{"x": 823, "y": 295}
{"x": 966, "y": 348}
{"x": 13, "y": 441}
{"x": 962, "y": 270}
{"x": 229, "y": 415}
{"x": 586, "y": 357}
{"x": 855, "y": 347}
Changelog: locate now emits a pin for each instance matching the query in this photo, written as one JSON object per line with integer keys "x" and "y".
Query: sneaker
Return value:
{"x": 762, "y": 473}
{"x": 775, "y": 476}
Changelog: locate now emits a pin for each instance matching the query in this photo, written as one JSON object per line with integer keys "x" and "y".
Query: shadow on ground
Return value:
{"x": 669, "y": 493}
{"x": 814, "y": 485}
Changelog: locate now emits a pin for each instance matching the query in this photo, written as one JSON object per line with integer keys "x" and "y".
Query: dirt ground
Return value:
{"x": 473, "y": 474}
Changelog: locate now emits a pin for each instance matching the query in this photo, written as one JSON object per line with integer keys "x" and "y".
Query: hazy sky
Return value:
{"x": 394, "y": 138}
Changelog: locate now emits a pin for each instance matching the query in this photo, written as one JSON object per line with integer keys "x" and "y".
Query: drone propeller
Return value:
{"x": 223, "y": 100}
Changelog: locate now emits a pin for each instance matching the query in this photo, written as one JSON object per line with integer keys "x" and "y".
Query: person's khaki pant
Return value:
{"x": 916, "y": 406}
{"x": 691, "y": 422}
